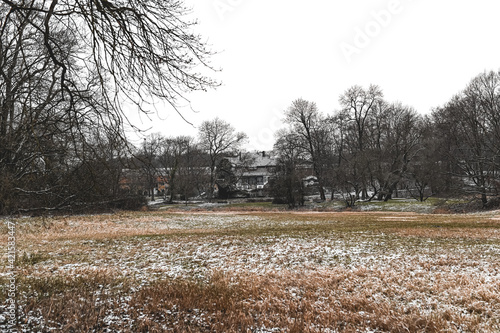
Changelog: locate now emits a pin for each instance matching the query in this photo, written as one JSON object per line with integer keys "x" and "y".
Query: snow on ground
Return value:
{"x": 254, "y": 244}
{"x": 237, "y": 249}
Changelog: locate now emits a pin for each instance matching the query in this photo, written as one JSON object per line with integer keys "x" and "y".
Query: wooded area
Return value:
{"x": 67, "y": 68}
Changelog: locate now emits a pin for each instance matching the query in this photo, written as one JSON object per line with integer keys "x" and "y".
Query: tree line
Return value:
{"x": 367, "y": 150}
{"x": 370, "y": 148}
{"x": 67, "y": 68}
{"x": 188, "y": 166}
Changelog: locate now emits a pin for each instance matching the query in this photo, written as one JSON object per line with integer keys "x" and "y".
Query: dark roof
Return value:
{"x": 257, "y": 159}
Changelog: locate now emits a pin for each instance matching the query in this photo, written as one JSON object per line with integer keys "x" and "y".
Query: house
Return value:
{"x": 133, "y": 181}
{"x": 248, "y": 174}
{"x": 253, "y": 170}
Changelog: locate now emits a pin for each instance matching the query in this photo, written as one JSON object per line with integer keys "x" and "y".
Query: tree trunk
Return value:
{"x": 484, "y": 198}
{"x": 322, "y": 193}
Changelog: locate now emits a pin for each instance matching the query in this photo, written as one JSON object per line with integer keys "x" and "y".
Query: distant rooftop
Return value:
{"x": 256, "y": 158}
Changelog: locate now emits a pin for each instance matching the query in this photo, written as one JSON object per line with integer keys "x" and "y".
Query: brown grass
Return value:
{"x": 258, "y": 272}
{"x": 337, "y": 299}
{"x": 468, "y": 233}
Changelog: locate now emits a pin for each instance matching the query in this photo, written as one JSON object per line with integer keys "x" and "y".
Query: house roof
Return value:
{"x": 260, "y": 172}
{"x": 261, "y": 159}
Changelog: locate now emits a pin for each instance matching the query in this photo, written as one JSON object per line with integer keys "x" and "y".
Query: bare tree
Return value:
{"x": 41, "y": 143}
{"x": 147, "y": 159}
{"x": 345, "y": 175}
{"x": 427, "y": 174}
{"x": 226, "y": 178}
{"x": 172, "y": 159}
{"x": 312, "y": 136}
{"x": 396, "y": 142}
{"x": 287, "y": 182}
{"x": 359, "y": 106}
{"x": 135, "y": 49}
{"x": 192, "y": 177}
{"x": 218, "y": 138}
{"x": 65, "y": 69}
{"x": 471, "y": 120}
{"x": 374, "y": 143}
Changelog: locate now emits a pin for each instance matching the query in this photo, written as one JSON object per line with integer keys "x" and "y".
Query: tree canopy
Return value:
{"x": 68, "y": 68}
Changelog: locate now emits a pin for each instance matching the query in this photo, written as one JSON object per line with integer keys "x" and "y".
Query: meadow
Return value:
{"x": 257, "y": 271}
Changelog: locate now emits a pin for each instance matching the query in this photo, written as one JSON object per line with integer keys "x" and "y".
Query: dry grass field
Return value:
{"x": 169, "y": 271}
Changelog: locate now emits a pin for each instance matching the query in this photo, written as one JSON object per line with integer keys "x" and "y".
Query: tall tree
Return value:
{"x": 218, "y": 138}
{"x": 359, "y": 105}
{"x": 427, "y": 175}
{"x": 192, "y": 177}
{"x": 345, "y": 175}
{"x": 42, "y": 143}
{"x": 147, "y": 159}
{"x": 287, "y": 182}
{"x": 65, "y": 69}
{"x": 312, "y": 136}
{"x": 136, "y": 49}
{"x": 395, "y": 143}
{"x": 471, "y": 119}
{"x": 172, "y": 158}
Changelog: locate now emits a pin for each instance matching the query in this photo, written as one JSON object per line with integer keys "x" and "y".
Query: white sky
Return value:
{"x": 420, "y": 52}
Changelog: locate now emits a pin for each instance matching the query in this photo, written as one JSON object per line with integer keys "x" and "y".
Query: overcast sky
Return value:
{"x": 420, "y": 52}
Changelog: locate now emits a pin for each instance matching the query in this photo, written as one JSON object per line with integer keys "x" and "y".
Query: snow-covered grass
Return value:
{"x": 258, "y": 272}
